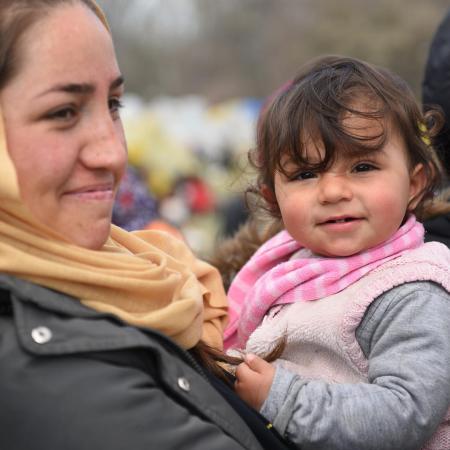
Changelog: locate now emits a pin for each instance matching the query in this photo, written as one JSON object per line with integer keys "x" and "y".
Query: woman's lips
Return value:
{"x": 93, "y": 192}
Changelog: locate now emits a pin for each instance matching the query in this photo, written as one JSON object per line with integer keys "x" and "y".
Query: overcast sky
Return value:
{"x": 169, "y": 18}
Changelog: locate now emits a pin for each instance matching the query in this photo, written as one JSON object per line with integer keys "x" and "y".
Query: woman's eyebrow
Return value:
{"x": 71, "y": 88}
{"x": 119, "y": 81}
{"x": 80, "y": 88}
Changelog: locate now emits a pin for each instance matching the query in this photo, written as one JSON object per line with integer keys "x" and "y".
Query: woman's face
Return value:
{"x": 63, "y": 128}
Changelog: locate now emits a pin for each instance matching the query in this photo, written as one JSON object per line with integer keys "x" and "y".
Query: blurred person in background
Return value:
{"x": 436, "y": 92}
{"x": 136, "y": 209}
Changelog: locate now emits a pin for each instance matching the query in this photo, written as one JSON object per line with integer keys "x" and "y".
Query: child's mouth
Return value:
{"x": 341, "y": 221}
{"x": 345, "y": 219}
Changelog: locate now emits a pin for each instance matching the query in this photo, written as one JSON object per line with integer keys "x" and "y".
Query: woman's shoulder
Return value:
{"x": 86, "y": 368}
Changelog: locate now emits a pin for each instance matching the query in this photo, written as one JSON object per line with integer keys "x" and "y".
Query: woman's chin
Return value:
{"x": 93, "y": 237}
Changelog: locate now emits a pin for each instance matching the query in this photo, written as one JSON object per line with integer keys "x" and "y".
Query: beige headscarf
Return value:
{"x": 148, "y": 278}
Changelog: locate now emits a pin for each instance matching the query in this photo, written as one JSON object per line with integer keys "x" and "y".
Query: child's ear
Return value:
{"x": 417, "y": 184}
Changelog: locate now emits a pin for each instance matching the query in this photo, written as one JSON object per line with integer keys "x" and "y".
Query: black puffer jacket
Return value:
{"x": 74, "y": 379}
{"x": 436, "y": 91}
{"x": 436, "y": 85}
{"x": 438, "y": 229}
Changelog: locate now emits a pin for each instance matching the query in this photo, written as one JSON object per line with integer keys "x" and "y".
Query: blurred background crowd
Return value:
{"x": 197, "y": 73}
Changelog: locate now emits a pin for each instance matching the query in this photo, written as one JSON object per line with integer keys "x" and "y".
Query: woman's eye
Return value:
{"x": 364, "y": 167}
{"x": 64, "y": 114}
{"x": 115, "y": 104}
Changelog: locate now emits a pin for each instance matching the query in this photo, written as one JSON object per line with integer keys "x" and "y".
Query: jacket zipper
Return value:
{"x": 186, "y": 356}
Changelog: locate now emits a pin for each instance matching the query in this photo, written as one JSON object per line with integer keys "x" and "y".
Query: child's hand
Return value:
{"x": 253, "y": 380}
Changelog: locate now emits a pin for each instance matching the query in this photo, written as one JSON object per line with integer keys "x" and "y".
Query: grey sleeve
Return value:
{"x": 405, "y": 335}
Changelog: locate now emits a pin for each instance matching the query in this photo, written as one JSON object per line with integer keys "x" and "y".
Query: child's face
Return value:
{"x": 357, "y": 203}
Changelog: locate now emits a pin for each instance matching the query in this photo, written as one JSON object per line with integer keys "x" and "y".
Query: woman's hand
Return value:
{"x": 253, "y": 380}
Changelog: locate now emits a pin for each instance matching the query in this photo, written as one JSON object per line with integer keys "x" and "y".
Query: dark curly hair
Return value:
{"x": 314, "y": 104}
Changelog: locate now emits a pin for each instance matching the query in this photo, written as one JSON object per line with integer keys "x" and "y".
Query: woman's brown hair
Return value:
{"x": 16, "y": 17}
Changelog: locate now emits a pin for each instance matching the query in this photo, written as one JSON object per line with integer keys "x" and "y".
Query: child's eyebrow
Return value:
{"x": 364, "y": 154}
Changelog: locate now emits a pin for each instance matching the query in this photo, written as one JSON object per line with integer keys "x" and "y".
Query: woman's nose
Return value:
{"x": 106, "y": 146}
{"x": 334, "y": 188}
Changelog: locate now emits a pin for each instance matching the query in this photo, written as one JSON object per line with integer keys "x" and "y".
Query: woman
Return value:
{"x": 85, "y": 308}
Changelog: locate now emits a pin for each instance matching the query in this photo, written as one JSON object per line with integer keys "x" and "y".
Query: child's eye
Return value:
{"x": 364, "y": 167}
{"x": 304, "y": 175}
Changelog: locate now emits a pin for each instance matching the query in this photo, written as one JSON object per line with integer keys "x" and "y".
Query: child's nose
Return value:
{"x": 334, "y": 188}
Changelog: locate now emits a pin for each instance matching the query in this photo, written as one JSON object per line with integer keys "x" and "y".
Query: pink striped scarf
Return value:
{"x": 271, "y": 278}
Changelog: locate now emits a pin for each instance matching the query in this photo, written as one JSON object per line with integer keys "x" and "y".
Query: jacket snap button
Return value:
{"x": 41, "y": 335}
{"x": 184, "y": 384}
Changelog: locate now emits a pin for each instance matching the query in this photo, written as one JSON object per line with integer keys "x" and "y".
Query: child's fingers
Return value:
{"x": 245, "y": 384}
{"x": 256, "y": 363}
{"x": 243, "y": 372}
